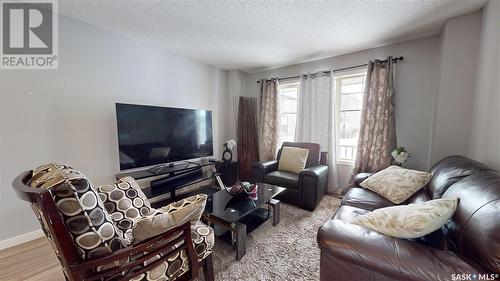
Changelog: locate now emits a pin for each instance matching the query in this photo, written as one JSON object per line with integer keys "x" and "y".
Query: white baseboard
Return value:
{"x": 7, "y": 243}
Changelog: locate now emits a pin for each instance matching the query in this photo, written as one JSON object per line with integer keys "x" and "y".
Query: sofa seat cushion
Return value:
{"x": 348, "y": 213}
{"x": 203, "y": 239}
{"x": 396, "y": 258}
{"x": 283, "y": 179}
{"x": 365, "y": 199}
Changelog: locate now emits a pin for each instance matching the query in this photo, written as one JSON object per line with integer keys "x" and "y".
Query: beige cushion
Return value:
{"x": 170, "y": 216}
{"x": 409, "y": 221}
{"x": 293, "y": 159}
{"x": 396, "y": 184}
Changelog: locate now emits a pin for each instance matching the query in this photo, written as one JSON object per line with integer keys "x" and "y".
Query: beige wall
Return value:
{"x": 485, "y": 138}
{"x": 67, "y": 115}
{"x": 457, "y": 82}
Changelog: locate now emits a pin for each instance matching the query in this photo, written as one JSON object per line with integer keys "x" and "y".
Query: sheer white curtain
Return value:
{"x": 316, "y": 119}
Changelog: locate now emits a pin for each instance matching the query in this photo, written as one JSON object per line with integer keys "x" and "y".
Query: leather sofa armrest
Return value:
{"x": 260, "y": 169}
{"x": 313, "y": 183}
{"x": 399, "y": 258}
{"x": 359, "y": 178}
{"x": 316, "y": 171}
{"x": 267, "y": 166}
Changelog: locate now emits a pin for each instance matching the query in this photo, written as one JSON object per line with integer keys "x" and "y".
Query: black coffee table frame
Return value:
{"x": 237, "y": 229}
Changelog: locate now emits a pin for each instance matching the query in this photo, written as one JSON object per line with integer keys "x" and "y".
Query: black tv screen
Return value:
{"x": 150, "y": 135}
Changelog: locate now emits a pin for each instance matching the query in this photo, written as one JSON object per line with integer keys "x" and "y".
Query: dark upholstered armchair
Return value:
{"x": 304, "y": 189}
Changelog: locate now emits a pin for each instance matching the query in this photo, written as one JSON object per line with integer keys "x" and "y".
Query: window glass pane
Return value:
{"x": 352, "y": 84}
{"x": 348, "y": 134}
{"x": 351, "y": 101}
{"x": 287, "y": 111}
{"x": 350, "y": 90}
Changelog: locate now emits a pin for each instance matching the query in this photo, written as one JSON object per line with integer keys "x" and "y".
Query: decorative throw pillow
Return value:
{"x": 170, "y": 216}
{"x": 293, "y": 159}
{"x": 126, "y": 203}
{"x": 396, "y": 184}
{"x": 409, "y": 221}
{"x": 91, "y": 227}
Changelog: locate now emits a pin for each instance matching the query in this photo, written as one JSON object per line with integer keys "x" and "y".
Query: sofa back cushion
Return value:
{"x": 312, "y": 157}
{"x": 474, "y": 230}
{"x": 449, "y": 171}
{"x": 91, "y": 227}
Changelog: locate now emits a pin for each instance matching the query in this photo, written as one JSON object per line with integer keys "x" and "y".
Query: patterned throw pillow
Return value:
{"x": 170, "y": 216}
{"x": 92, "y": 229}
{"x": 396, "y": 184}
{"x": 126, "y": 203}
{"x": 409, "y": 221}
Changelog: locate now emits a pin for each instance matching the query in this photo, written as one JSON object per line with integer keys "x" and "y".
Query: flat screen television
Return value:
{"x": 151, "y": 135}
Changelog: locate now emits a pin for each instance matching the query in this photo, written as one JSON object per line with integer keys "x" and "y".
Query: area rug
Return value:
{"x": 287, "y": 251}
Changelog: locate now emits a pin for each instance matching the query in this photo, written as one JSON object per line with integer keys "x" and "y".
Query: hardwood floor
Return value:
{"x": 31, "y": 261}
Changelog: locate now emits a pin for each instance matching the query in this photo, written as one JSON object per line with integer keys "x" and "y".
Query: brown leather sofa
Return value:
{"x": 304, "y": 189}
{"x": 468, "y": 244}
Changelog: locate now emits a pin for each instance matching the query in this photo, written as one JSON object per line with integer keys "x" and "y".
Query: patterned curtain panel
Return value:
{"x": 268, "y": 119}
{"x": 377, "y": 136}
{"x": 316, "y": 119}
{"x": 247, "y": 136}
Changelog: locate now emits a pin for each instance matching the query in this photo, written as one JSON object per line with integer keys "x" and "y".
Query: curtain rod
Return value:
{"x": 340, "y": 69}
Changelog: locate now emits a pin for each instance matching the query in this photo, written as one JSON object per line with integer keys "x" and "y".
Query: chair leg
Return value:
{"x": 208, "y": 269}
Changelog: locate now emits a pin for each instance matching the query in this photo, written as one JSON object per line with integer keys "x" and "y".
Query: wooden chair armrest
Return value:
{"x": 152, "y": 246}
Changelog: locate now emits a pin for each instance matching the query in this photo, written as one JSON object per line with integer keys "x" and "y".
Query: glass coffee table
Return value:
{"x": 238, "y": 214}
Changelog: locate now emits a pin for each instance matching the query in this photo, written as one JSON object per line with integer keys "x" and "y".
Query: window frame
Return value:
{"x": 337, "y": 77}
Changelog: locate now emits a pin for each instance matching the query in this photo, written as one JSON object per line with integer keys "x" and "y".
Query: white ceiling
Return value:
{"x": 254, "y": 35}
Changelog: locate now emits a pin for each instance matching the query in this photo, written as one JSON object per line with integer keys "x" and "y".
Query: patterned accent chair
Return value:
{"x": 95, "y": 232}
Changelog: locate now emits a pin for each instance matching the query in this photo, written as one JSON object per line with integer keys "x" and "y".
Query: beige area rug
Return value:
{"x": 287, "y": 251}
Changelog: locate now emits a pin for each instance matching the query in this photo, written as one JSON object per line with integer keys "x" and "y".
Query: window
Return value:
{"x": 287, "y": 111}
{"x": 349, "y": 91}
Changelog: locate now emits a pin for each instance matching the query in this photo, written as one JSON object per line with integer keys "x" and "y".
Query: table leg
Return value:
{"x": 240, "y": 230}
{"x": 275, "y": 206}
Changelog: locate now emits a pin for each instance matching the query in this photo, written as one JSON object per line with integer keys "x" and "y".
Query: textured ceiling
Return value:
{"x": 257, "y": 35}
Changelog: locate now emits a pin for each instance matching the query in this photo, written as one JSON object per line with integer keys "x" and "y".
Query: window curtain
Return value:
{"x": 268, "y": 119}
{"x": 377, "y": 136}
{"x": 247, "y": 136}
{"x": 316, "y": 119}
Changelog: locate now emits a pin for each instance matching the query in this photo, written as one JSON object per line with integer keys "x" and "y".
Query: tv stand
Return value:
{"x": 177, "y": 177}
{"x": 160, "y": 169}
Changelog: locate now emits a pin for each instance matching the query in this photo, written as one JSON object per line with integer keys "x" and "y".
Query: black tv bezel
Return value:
{"x": 159, "y": 163}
